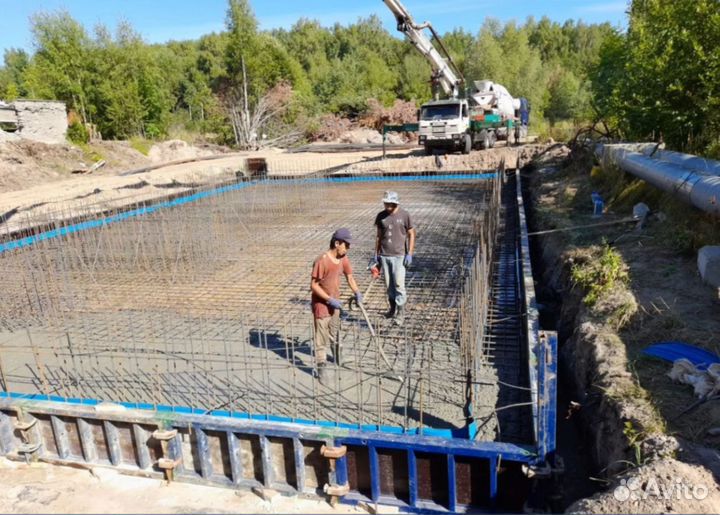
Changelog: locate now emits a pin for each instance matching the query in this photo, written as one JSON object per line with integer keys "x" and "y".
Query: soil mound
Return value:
{"x": 361, "y": 137}
{"x": 175, "y": 150}
{"x": 25, "y": 163}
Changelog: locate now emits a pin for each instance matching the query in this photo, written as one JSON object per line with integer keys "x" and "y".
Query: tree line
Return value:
{"x": 660, "y": 80}
{"x": 660, "y": 77}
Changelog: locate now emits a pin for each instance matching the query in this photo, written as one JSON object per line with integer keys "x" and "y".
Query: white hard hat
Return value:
{"x": 391, "y": 197}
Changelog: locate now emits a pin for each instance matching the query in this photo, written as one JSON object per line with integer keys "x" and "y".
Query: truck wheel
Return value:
{"x": 467, "y": 147}
{"x": 428, "y": 150}
{"x": 485, "y": 139}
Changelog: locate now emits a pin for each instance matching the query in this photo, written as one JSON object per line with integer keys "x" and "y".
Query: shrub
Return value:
{"x": 141, "y": 145}
{"x": 600, "y": 273}
{"x": 377, "y": 115}
{"x": 77, "y": 133}
{"x": 328, "y": 127}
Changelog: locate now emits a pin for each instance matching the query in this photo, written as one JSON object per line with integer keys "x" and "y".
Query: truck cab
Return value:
{"x": 445, "y": 124}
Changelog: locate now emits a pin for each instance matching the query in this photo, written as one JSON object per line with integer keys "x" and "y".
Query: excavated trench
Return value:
{"x": 557, "y": 313}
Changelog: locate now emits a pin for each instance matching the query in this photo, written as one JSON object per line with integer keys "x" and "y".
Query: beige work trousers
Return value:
{"x": 326, "y": 332}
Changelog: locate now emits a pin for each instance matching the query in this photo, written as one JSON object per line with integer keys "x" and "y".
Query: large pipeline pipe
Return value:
{"x": 675, "y": 173}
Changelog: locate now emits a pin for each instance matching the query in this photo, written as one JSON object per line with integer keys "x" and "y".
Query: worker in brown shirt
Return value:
{"x": 325, "y": 287}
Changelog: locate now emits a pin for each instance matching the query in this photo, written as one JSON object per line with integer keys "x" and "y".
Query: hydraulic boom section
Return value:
{"x": 445, "y": 73}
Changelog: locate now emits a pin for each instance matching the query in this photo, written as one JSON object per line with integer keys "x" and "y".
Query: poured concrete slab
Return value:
{"x": 206, "y": 305}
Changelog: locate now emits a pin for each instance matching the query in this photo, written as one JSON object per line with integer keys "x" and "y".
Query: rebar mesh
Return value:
{"x": 207, "y": 305}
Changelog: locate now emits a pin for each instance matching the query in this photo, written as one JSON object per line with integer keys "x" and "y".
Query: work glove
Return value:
{"x": 334, "y": 303}
{"x": 408, "y": 260}
{"x": 358, "y": 297}
{"x": 374, "y": 262}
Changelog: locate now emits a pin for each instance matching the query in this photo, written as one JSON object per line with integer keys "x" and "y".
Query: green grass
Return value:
{"x": 563, "y": 130}
{"x": 142, "y": 145}
{"x": 600, "y": 273}
{"x": 685, "y": 228}
{"x": 89, "y": 153}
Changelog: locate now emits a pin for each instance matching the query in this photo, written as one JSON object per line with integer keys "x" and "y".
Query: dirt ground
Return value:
{"x": 41, "y": 488}
{"x": 665, "y": 300}
{"x": 673, "y": 304}
{"x": 666, "y": 486}
{"x": 24, "y": 163}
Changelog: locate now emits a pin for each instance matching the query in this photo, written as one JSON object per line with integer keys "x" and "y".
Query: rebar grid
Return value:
{"x": 207, "y": 305}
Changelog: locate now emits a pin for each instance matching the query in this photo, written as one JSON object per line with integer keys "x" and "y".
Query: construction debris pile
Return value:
{"x": 704, "y": 380}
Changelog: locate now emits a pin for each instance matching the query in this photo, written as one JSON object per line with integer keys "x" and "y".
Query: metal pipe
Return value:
{"x": 657, "y": 151}
{"x": 699, "y": 188}
{"x": 689, "y": 161}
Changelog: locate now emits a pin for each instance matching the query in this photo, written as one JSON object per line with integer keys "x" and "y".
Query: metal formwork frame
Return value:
{"x": 418, "y": 472}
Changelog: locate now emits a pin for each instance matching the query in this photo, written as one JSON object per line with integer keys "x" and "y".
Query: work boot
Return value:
{"x": 399, "y": 318}
{"x": 323, "y": 373}
{"x": 390, "y": 313}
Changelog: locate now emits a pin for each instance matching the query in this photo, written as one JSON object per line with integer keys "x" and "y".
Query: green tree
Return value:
{"x": 549, "y": 38}
{"x": 569, "y": 97}
{"x": 607, "y": 78}
{"x": 260, "y": 71}
{"x": 16, "y": 62}
{"x": 459, "y": 44}
{"x": 8, "y": 89}
{"x": 307, "y": 42}
{"x": 132, "y": 93}
{"x": 504, "y": 55}
{"x": 266, "y": 61}
{"x": 212, "y": 51}
{"x": 414, "y": 78}
{"x": 668, "y": 72}
{"x": 59, "y": 67}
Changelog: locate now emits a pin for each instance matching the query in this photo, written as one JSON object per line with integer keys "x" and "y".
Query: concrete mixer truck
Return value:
{"x": 487, "y": 113}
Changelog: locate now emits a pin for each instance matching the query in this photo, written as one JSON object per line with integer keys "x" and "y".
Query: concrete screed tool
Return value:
{"x": 375, "y": 271}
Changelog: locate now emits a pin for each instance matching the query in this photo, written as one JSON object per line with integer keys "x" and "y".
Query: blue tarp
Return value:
{"x": 671, "y": 351}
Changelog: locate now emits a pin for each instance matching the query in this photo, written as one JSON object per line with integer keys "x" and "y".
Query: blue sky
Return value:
{"x": 163, "y": 20}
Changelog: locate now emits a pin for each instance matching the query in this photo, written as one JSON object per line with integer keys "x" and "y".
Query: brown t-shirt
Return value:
{"x": 328, "y": 273}
{"x": 393, "y": 231}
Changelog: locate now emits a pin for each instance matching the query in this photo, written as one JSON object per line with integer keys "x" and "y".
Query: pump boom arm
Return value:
{"x": 445, "y": 73}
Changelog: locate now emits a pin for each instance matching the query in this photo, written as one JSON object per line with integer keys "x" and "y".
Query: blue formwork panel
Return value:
{"x": 416, "y": 473}
{"x": 210, "y": 450}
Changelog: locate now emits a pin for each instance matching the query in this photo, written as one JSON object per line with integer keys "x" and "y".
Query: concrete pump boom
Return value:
{"x": 445, "y": 73}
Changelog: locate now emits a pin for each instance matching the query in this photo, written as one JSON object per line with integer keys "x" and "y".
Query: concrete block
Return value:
{"x": 709, "y": 265}
{"x": 45, "y": 122}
